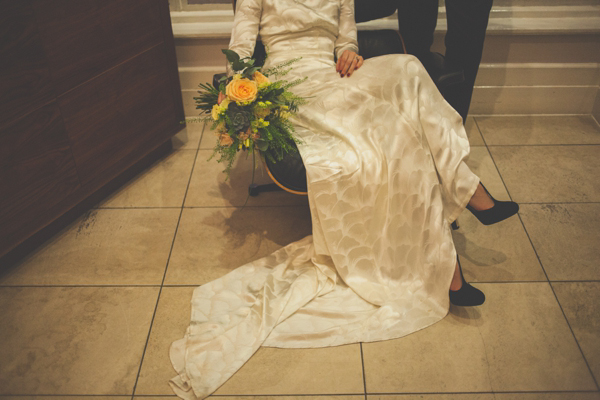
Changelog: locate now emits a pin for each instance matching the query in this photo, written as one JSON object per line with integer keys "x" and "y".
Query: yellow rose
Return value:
{"x": 225, "y": 140}
{"x": 242, "y": 90}
{"x": 260, "y": 79}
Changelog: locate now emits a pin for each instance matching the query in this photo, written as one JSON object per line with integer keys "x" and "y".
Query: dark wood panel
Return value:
{"x": 171, "y": 60}
{"x": 118, "y": 117}
{"x": 84, "y": 38}
{"x": 37, "y": 171}
{"x": 25, "y": 82}
{"x": 65, "y": 212}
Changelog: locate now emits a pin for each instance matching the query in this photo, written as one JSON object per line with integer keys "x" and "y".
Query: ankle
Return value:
{"x": 457, "y": 281}
{"x": 481, "y": 200}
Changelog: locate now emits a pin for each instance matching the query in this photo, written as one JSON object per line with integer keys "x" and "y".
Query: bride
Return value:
{"x": 384, "y": 156}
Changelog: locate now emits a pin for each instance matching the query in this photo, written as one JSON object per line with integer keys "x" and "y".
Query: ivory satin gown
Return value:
{"x": 384, "y": 156}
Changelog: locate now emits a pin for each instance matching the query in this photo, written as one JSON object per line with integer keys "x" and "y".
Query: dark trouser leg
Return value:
{"x": 417, "y": 20}
{"x": 367, "y": 10}
{"x": 467, "y": 23}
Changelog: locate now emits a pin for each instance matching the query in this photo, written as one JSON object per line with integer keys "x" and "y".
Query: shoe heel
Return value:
{"x": 467, "y": 295}
{"x": 499, "y": 212}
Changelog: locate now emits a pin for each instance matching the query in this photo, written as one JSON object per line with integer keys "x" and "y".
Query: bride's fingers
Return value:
{"x": 340, "y": 62}
{"x": 349, "y": 63}
{"x": 353, "y": 66}
{"x": 356, "y": 64}
{"x": 344, "y": 62}
{"x": 360, "y": 62}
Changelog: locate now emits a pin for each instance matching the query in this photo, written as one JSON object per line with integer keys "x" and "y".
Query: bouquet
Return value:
{"x": 249, "y": 111}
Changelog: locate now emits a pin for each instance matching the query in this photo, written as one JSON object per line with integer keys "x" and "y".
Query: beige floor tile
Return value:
{"x": 303, "y": 397}
{"x": 189, "y": 137}
{"x": 548, "y": 396}
{"x": 473, "y": 133}
{"x": 491, "y": 396}
{"x": 566, "y": 238}
{"x": 103, "y": 247}
{"x": 270, "y": 371}
{"x": 499, "y": 252}
{"x": 331, "y": 370}
{"x": 209, "y": 139}
{"x": 171, "y": 320}
{"x": 538, "y": 174}
{"x": 73, "y": 340}
{"x": 213, "y": 241}
{"x": 66, "y": 398}
{"x": 453, "y": 396}
{"x": 208, "y": 187}
{"x": 517, "y": 341}
{"x": 580, "y": 304}
{"x": 161, "y": 185}
{"x": 519, "y": 130}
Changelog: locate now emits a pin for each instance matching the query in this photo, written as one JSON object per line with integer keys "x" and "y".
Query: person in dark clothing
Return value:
{"x": 467, "y": 22}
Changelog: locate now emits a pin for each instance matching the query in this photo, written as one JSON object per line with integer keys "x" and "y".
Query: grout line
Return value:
{"x": 561, "y": 202}
{"x": 574, "y": 337}
{"x": 136, "y": 208}
{"x": 545, "y": 273}
{"x": 544, "y": 270}
{"x": 194, "y": 285}
{"x": 253, "y": 206}
{"x": 362, "y": 361}
{"x": 530, "y": 115}
{"x": 545, "y": 145}
{"x": 80, "y": 286}
{"x": 224, "y": 206}
{"x": 352, "y": 395}
{"x": 492, "y": 393}
{"x": 518, "y": 214}
{"x": 166, "y": 269}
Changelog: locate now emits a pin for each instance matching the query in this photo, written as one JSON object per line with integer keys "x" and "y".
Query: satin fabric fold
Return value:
{"x": 384, "y": 155}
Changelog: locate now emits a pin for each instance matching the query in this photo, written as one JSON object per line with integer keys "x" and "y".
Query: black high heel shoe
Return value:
{"x": 467, "y": 295}
{"x": 500, "y": 211}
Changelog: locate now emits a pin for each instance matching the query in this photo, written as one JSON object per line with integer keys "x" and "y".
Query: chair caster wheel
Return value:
{"x": 253, "y": 190}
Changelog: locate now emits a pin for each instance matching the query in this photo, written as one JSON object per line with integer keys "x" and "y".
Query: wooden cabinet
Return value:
{"x": 88, "y": 88}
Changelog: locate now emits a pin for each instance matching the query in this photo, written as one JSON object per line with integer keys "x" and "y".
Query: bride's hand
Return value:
{"x": 348, "y": 63}
{"x": 220, "y": 98}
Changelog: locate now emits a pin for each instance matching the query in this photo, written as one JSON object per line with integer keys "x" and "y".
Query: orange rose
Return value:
{"x": 260, "y": 79}
{"x": 225, "y": 140}
{"x": 243, "y": 90}
{"x": 245, "y": 135}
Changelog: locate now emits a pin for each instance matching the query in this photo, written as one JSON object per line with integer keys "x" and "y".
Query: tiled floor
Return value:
{"x": 91, "y": 314}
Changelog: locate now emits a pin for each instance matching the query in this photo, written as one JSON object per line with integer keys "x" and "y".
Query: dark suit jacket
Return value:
{"x": 367, "y": 10}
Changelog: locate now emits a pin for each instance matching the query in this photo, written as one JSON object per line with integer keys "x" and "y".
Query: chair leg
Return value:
{"x": 255, "y": 189}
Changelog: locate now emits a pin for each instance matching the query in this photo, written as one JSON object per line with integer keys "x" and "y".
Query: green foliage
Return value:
{"x": 262, "y": 124}
{"x": 206, "y": 98}
{"x": 280, "y": 70}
